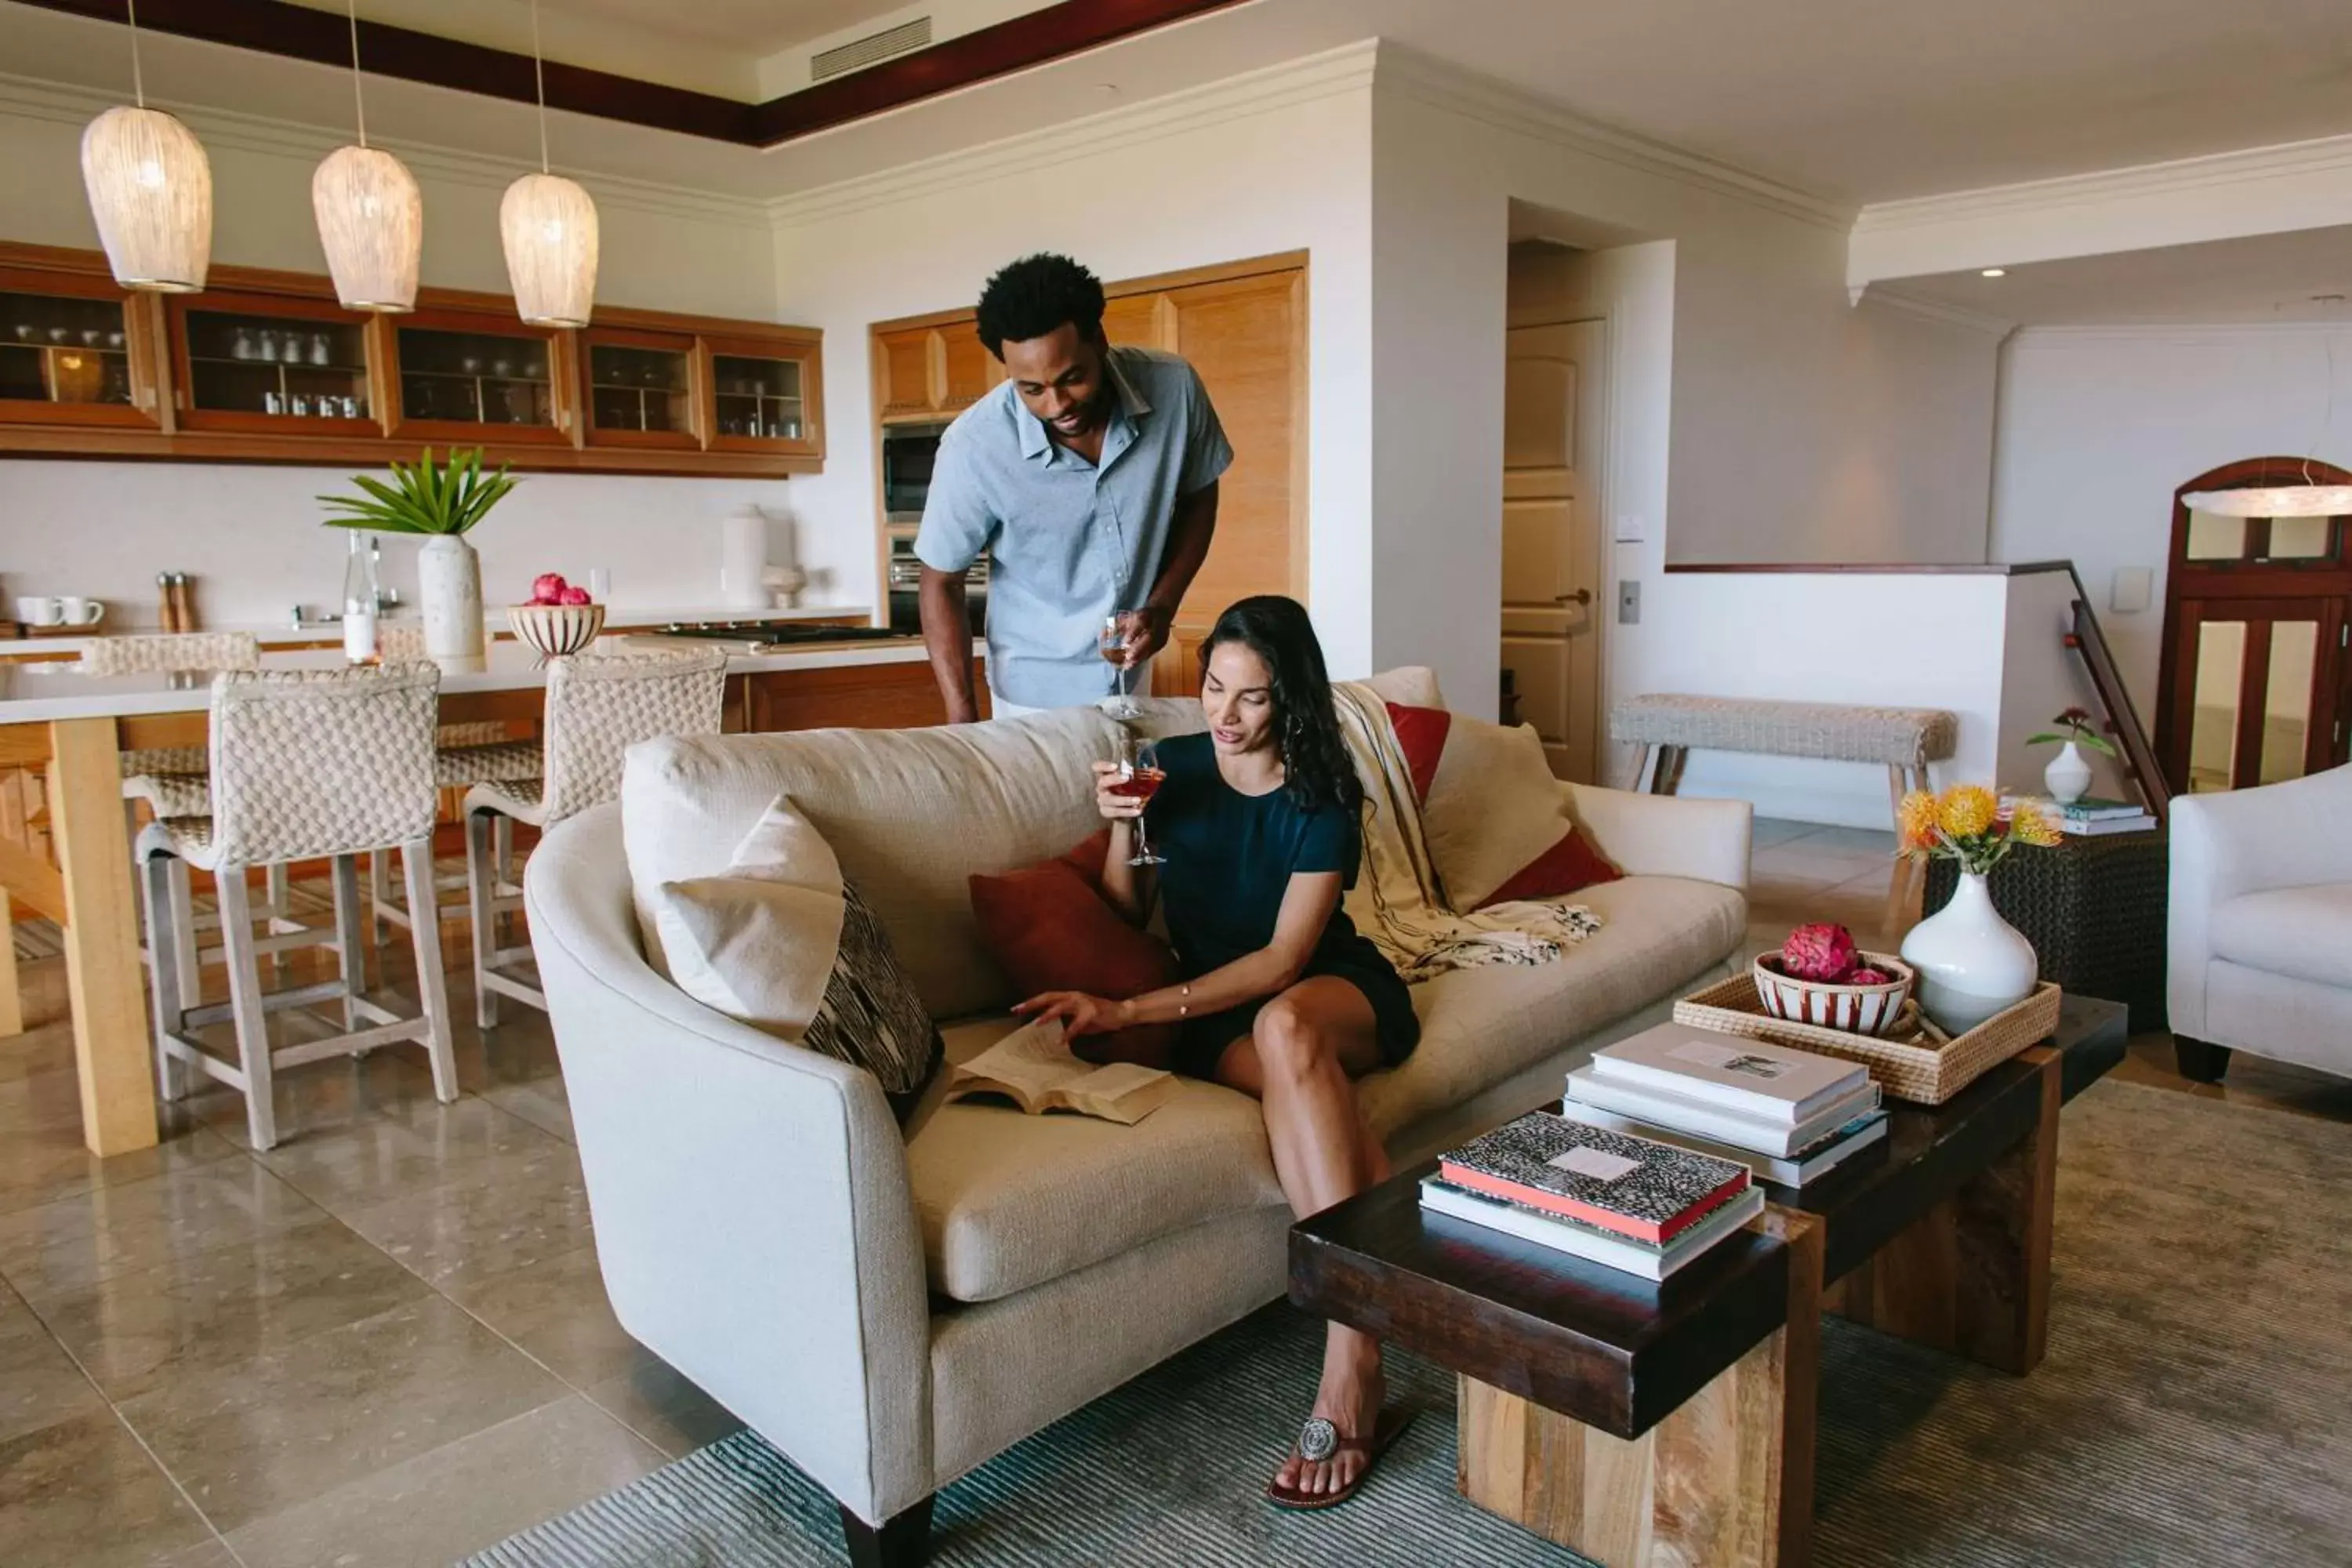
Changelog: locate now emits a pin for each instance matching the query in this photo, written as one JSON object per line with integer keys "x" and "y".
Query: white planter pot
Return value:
{"x": 449, "y": 583}
{"x": 1971, "y": 964}
{"x": 2068, "y": 776}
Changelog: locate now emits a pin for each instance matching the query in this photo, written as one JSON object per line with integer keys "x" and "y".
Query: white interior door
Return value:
{"x": 1551, "y": 538}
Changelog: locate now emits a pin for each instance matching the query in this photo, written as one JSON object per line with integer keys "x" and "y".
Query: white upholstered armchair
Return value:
{"x": 2261, "y": 919}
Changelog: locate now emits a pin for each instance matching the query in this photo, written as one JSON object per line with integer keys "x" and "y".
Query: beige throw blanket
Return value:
{"x": 1396, "y": 900}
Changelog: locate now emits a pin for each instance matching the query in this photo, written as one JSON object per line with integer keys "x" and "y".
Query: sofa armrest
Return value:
{"x": 1666, "y": 836}
{"x": 753, "y": 1220}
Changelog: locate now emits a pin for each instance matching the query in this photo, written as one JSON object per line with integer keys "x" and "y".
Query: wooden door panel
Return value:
{"x": 1241, "y": 337}
{"x": 1134, "y": 321}
{"x": 902, "y": 360}
{"x": 1536, "y": 535}
{"x": 970, "y": 370}
{"x": 1539, "y": 403}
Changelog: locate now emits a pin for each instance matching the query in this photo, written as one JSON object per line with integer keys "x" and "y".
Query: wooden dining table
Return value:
{"x": 70, "y": 728}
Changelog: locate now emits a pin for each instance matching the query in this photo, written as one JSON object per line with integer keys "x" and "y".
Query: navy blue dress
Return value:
{"x": 1230, "y": 860}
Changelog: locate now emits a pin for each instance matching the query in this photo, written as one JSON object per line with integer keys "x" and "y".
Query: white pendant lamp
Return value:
{"x": 2276, "y": 500}
{"x": 150, "y": 192}
{"x": 547, "y": 225}
{"x": 371, "y": 215}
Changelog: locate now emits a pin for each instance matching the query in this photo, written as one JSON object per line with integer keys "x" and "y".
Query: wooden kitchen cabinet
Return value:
{"x": 931, "y": 371}
{"x": 76, "y": 351}
{"x": 266, "y": 367}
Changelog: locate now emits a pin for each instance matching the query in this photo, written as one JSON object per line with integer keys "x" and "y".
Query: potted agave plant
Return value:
{"x": 441, "y": 501}
{"x": 1970, "y": 962}
{"x": 2068, "y": 776}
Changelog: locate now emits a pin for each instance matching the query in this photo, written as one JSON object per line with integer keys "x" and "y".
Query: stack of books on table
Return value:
{"x": 2091, "y": 816}
{"x": 1785, "y": 1115}
{"x": 1628, "y": 1203}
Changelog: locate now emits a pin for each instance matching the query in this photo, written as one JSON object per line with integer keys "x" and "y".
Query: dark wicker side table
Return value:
{"x": 2093, "y": 907}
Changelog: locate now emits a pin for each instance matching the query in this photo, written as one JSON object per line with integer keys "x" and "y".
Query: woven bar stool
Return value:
{"x": 310, "y": 764}
{"x": 464, "y": 755}
{"x": 170, "y": 781}
{"x": 596, "y": 709}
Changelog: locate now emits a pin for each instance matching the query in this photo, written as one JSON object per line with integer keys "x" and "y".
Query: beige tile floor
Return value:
{"x": 384, "y": 1340}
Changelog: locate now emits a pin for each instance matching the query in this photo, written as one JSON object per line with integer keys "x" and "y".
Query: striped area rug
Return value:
{"x": 2191, "y": 1411}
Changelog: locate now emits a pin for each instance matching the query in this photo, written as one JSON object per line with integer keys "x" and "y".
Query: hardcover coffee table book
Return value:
{"x": 1785, "y": 1114}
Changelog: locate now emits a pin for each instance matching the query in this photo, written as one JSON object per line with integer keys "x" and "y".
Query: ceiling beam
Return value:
{"x": 321, "y": 37}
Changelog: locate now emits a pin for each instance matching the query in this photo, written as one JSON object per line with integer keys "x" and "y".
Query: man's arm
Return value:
{"x": 946, "y": 637}
{"x": 1190, "y": 530}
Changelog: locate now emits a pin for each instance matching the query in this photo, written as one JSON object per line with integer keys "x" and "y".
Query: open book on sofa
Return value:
{"x": 1033, "y": 1067}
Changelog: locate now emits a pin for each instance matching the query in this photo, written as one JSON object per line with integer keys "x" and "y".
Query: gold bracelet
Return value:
{"x": 1184, "y": 1003}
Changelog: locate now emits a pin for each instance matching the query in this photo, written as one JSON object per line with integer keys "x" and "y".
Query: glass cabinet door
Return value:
{"x": 278, "y": 366}
{"x": 764, "y": 396}
{"x": 640, "y": 389}
{"x": 68, "y": 355}
{"x": 463, "y": 379}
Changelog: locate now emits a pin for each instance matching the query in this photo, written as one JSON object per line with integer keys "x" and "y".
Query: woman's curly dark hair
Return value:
{"x": 1318, "y": 773}
{"x": 1032, "y": 297}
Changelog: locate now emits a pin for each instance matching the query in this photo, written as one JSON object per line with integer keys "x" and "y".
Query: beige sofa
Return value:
{"x": 890, "y": 1311}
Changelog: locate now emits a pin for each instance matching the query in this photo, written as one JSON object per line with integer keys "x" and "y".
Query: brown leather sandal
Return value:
{"x": 1319, "y": 1440}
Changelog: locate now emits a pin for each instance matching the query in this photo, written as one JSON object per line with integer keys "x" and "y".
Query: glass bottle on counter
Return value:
{"x": 359, "y": 601}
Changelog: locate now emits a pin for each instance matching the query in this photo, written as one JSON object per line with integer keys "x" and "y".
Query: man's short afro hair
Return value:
{"x": 1036, "y": 294}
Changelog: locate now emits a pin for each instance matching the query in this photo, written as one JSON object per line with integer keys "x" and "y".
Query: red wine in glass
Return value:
{"x": 1140, "y": 778}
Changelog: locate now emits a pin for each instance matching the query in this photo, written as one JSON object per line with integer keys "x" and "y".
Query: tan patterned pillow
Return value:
{"x": 783, "y": 943}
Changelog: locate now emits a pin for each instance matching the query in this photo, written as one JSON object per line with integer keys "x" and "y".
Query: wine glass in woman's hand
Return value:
{"x": 1137, "y": 775}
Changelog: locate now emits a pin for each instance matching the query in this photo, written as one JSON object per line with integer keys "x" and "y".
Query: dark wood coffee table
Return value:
{"x": 1640, "y": 1423}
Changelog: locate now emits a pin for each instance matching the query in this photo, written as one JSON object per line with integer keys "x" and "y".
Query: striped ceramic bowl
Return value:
{"x": 1856, "y": 1009}
{"x": 555, "y": 629}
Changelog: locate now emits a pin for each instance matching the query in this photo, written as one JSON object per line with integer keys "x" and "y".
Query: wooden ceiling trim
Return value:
{"x": 322, "y": 37}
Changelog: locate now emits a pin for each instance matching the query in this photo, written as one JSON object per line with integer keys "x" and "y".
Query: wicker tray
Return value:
{"x": 1924, "y": 1067}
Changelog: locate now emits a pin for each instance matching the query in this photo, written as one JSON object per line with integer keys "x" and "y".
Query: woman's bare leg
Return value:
{"x": 1308, "y": 1043}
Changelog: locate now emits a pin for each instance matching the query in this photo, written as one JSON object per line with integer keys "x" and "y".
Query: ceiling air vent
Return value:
{"x": 867, "y": 51}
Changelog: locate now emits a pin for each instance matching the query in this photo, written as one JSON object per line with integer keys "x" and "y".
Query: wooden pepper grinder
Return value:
{"x": 167, "y": 608}
{"x": 184, "y": 599}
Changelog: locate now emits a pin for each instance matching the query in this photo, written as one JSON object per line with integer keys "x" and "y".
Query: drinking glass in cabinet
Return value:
{"x": 480, "y": 378}
{"x": 758, "y": 397}
{"x": 55, "y": 348}
{"x": 635, "y": 388}
{"x": 255, "y": 365}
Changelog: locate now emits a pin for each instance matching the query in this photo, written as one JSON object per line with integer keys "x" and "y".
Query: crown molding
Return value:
{"x": 1335, "y": 72}
{"x": 25, "y": 99}
{"x": 1936, "y": 311}
{"x": 1442, "y": 85}
{"x": 2181, "y": 333}
{"x": 2326, "y": 155}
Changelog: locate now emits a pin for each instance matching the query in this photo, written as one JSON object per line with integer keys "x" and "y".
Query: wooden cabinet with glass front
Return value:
{"x": 267, "y": 367}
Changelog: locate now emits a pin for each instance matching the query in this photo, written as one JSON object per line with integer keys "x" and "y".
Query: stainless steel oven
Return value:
{"x": 906, "y": 580}
{"x": 908, "y": 454}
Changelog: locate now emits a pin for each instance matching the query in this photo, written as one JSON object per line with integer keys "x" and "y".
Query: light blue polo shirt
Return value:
{"x": 1071, "y": 542}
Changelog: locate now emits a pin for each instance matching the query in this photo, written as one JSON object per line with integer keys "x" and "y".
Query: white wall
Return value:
{"x": 250, "y": 532}
{"x": 1757, "y": 415}
{"x": 1276, "y": 161}
{"x": 2099, "y": 426}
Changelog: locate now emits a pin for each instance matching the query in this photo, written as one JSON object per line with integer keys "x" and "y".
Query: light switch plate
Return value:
{"x": 1629, "y": 528}
{"x": 2133, "y": 590}
{"x": 1629, "y": 603}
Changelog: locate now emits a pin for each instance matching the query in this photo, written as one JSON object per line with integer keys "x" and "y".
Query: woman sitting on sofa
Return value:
{"x": 1259, "y": 820}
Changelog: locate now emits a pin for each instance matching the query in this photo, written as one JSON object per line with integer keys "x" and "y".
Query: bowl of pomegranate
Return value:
{"x": 1820, "y": 976}
{"x": 560, "y": 619}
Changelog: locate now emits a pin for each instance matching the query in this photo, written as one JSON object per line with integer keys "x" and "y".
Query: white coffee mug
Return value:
{"x": 40, "y": 610}
{"x": 77, "y": 611}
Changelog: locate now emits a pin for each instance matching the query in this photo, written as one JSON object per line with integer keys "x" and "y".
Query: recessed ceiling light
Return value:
{"x": 1994, "y": 272}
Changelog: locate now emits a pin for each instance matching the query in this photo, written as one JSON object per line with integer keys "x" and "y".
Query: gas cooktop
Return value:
{"x": 776, "y": 634}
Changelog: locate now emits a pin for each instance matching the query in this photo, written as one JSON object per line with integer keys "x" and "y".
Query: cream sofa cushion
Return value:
{"x": 1008, "y": 1201}
{"x": 1480, "y": 1026}
{"x": 2305, "y": 934}
{"x": 758, "y": 942}
{"x": 1494, "y": 808}
{"x": 910, "y": 814}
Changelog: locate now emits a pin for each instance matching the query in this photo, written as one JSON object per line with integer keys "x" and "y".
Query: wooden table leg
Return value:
{"x": 1972, "y": 1276}
{"x": 12, "y": 1002}
{"x": 1726, "y": 1480}
{"x": 103, "y": 983}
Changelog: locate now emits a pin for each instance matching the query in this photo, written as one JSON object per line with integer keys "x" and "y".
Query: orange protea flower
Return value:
{"x": 1966, "y": 810}
{"x": 2027, "y": 825}
{"x": 1915, "y": 821}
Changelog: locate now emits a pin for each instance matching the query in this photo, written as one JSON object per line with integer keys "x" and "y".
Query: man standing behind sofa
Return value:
{"x": 1091, "y": 478}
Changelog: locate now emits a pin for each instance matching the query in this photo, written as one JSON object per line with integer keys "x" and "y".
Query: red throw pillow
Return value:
{"x": 1049, "y": 929}
{"x": 1569, "y": 864}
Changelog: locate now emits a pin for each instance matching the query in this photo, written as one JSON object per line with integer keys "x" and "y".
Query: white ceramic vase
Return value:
{"x": 449, "y": 584}
{"x": 1971, "y": 964}
{"x": 2068, "y": 776}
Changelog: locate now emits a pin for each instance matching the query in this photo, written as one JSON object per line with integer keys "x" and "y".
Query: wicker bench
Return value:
{"x": 1902, "y": 741}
